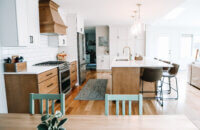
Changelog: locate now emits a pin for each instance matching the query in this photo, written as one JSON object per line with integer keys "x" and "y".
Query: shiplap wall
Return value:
{"x": 32, "y": 55}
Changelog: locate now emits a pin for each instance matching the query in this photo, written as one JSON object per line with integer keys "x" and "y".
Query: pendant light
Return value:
{"x": 138, "y": 27}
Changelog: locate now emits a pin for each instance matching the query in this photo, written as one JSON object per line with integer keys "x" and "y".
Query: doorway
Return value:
{"x": 90, "y": 38}
{"x": 163, "y": 49}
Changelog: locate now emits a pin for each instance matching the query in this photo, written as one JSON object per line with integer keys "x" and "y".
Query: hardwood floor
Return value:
{"x": 188, "y": 103}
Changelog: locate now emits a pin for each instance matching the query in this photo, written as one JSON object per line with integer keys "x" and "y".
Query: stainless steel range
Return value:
{"x": 64, "y": 74}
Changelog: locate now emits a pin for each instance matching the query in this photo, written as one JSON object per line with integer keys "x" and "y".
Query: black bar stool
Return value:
{"x": 153, "y": 75}
{"x": 166, "y": 69}
{"x": 171, "y": 73}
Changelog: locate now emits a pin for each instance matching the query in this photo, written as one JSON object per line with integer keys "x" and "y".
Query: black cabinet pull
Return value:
{"x": 31, "y": 39}
{"x": 50, "y": 85}
{"x": 49, "y": 74}
{"x": 63, "y": 41}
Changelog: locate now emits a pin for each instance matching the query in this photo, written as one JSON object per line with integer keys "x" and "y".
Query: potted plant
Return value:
{"x": 52, "y": 122}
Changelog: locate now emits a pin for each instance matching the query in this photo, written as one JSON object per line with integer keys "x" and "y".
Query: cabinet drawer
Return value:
{"x": 48, "y": 85}
{"x": 73, "y": 72}
{"x": 73, "y": 79}
{"x": 46, "y": 75}
{"x": 73, "y": 66}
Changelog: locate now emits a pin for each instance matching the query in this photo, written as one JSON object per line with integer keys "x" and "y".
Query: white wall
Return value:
{"x": 71, "y": 48}
{"x": 174, "y": 34}
{"x": 120, "y": 36}
{"x": 103, "y": 59}
{"x": 3, "y": 105}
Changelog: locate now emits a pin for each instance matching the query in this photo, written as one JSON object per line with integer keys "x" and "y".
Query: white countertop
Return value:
{"x": 33, "y": 70}
{"x": 146, "y": 62}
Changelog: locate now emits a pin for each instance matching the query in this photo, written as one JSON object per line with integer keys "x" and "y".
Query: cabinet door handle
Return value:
{"x": 50, "y": 85}
{"x": 49, "y": 74}
{"x": 31, "y": 39}
{"x": 63, "y": 41}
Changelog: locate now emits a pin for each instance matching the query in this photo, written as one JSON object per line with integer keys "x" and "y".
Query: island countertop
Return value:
{"x": 146, "y": 62}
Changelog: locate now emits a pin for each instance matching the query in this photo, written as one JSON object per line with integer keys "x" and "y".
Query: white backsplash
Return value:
{"x": 33, "y": 54}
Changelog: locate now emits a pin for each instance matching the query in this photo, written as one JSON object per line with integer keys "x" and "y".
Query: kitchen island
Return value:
{"x": 126, "y": 75}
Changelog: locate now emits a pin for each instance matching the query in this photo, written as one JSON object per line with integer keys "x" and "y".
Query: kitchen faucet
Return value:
{"x": 129, "y": 51}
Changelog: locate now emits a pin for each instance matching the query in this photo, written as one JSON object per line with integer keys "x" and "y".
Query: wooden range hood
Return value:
{"x": 51, "y": 22}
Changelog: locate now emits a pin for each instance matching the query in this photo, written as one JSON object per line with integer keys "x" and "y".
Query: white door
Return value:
{"x": 163, "y": 48}
{"x": 186, "y": 50}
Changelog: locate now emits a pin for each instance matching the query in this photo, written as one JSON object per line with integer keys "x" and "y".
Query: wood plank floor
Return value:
{"x": 188, "y": 103}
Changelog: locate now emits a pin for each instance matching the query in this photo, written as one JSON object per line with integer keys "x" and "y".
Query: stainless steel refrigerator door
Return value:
{"x": 82, "y": 73}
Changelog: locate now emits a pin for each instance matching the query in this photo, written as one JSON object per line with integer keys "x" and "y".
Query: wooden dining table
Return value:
{"x": 101, "y": 122}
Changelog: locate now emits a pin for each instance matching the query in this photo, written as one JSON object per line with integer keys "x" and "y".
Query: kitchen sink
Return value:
{"x": 122, "y": 60}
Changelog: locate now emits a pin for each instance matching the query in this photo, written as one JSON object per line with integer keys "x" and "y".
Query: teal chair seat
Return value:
{"x": 47, "y": 97}
{"x": 123, "y": 98}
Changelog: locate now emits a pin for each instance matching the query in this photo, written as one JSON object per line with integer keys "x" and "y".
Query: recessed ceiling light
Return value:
{"x": 174, "y": 13}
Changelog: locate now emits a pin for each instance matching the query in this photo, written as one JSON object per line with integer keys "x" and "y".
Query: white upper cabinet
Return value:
{"x": 60, "y": 40}
{"x": 80, "y": 24}
{"x": 33, "y": 22}
{"x": 19, "y": 23}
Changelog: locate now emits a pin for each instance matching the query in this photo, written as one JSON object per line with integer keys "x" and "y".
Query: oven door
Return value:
{"x": 64, "y": 81}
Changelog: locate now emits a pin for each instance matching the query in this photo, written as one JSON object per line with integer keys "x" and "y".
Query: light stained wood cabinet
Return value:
{"x": 73, "y": 74}
{"x": 126, "y": 80}
{"x": 19, "y": 86}
{"x": 194, "y": 75}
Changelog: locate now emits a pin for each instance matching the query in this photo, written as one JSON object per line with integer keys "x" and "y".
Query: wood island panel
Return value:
{"x": 125, "y": 80}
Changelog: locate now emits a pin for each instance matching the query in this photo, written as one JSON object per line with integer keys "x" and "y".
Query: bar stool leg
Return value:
{"x": 161, "y": 94}
{"x": 142, "y": 87}
{"x": 176, "y": 88}
{"x": 169, "y": 79}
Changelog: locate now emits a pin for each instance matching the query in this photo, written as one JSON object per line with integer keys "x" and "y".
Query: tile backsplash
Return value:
{"x": 33, "y": 54}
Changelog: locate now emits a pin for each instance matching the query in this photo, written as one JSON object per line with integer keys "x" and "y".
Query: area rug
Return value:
{"x": 94, "y": 89}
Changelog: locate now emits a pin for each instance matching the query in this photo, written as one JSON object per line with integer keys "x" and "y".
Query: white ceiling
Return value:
{"x": 112, "y": 12}
{"x": 189, "y": 17}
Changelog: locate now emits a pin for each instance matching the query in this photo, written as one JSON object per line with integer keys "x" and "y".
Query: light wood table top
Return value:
{"x": 101, "y": 122}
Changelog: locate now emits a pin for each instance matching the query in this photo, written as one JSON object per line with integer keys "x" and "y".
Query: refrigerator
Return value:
{"x": 81, "y": 58}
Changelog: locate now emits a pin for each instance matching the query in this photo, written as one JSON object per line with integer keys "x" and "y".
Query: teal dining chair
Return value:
{"x": 47, "y": 97}
{"x": 123, "y": 98}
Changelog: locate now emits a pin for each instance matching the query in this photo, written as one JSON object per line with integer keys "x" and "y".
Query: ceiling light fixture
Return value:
{"x": 138, "y": 26}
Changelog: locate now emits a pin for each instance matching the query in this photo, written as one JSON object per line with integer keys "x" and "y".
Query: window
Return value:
{"x": 163, "y": 47}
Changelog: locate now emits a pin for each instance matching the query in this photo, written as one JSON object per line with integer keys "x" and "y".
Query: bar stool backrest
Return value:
{"x": 152, "y": 74}
{"x": 174, "y": 70}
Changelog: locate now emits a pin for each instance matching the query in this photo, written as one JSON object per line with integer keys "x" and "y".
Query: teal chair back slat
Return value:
{"x": 47, "y": 98}
{"x": 52, "y": 106}
{"x": 47, "y": 106}
{"x": 41, "y": 106}
{"x": 123, "y": 98}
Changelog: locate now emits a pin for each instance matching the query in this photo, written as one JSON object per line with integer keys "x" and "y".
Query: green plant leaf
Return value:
{"x": 54, "y": 121}
{"x": 61, "y": 129}
{"x": 62, "y": 122}
{"x": 45, "y": 117}
{"x": 42, "y": 127}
